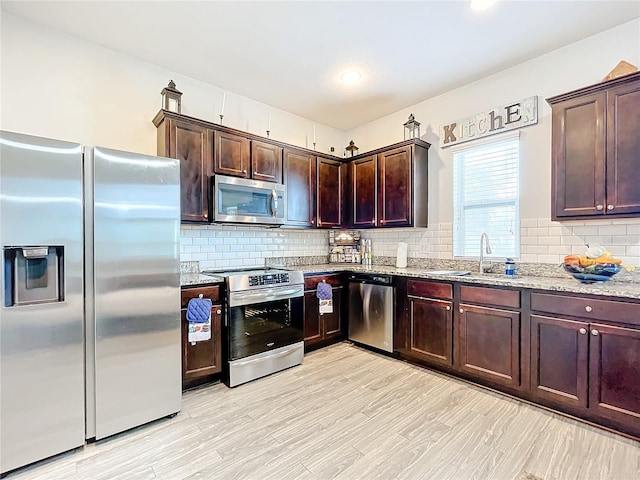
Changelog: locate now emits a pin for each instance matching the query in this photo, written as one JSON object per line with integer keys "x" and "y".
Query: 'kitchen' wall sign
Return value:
{"x": 498, "y": 120}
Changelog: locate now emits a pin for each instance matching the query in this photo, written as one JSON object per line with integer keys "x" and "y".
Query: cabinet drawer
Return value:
{"x": 429, "y": 289}
{"x": 310, "y": 283}
{"x": 490, "y": 296}
{"x": 212, "y": 293}
{"x": 588, "y": 308}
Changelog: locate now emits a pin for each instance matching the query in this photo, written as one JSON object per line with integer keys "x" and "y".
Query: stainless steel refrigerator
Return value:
{"x": 90, "y": 316}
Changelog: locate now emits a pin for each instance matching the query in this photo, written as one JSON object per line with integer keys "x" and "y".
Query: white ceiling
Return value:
{"x": 290, "y": 54}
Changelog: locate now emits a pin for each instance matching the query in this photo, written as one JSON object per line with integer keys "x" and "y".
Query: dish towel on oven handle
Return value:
{"x": 325, "y": 297}
{"x": 199, "y": 319}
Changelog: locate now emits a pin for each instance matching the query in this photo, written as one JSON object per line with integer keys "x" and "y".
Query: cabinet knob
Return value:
{"x": 244, "y": 171}
{"x": 583, "y": 331}
{"x": 447, "y": 308}
{"x": 599, "y": 207}
{"x": 461, "y": 310}
{"x": 219, "y": 312}
{"x": 313, "y": 221}
{"x": 610, "y": 207}
{"x": 595, "y": 332}
{"x": 381, "y": 221}
{"x": 255, "y": 173}
{"x": 588, "y": 308}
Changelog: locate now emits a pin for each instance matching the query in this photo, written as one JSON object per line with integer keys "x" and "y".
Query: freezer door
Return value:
{"x": 135, "y": 316}
{"x": 41, "y": 342}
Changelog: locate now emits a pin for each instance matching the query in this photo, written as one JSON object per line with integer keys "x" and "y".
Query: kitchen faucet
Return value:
{"x": 483, "y": 268}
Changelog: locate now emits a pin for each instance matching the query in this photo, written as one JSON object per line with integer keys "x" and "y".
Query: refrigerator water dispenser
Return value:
{"x": 33, "y": 275}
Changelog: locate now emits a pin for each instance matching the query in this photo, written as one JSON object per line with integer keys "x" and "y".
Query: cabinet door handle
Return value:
{"x": 599, "y": 207}
{"x": 447, "y": 308}
{"x": 595, "y": 332}
{"x": 588, "y": 308}
{"x": 610, "y": 207}
{"x": 219, "y": 312}
{"x": 583, "y": 331}
{"x": 461, "y": 310}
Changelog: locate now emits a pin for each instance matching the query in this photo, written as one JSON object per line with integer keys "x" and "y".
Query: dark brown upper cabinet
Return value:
{"x": 383, "y": 188}
{"x": 266, "y": 162}
{"x": 388, "y": 187}
{"x": 364, "y": 188}
{"x": 595, "y": 150}
{"x": 300, "y": 178}
{"x": 231, "y": 155}
{"x": 238, "y": 156}
{"x": 189, "y": 143}
{"x": 331, "y": 176}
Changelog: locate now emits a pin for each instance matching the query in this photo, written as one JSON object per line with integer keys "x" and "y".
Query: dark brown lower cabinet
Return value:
{"x": 590, "y": 368}
{"x": 431, "y": 329}
{"x": 489, "y": 344}
{"x": 614, "y": 373}
{"x": 201, "y": 360}
{"x": 559, "y": 360}
{"x": 321, "y": 329}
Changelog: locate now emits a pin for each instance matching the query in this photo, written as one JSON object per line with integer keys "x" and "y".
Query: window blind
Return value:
{"x": 486, "y": 196}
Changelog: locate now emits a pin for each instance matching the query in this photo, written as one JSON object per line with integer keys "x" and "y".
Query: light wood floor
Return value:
{"x": 347, "y": 413}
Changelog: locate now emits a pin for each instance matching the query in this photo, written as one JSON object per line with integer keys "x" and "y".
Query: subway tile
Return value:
{"x": 633, "y": 229}
{"x": 528, "y": 240}
{"x": 538, "y": 249}
{"x": 556, "y": 259}
{"x": 190, "y": 233}
{"x": 528, "y": 222}
{"x": 529, "y": 257}
{"x": 632, "y": 251}
{"x": 625, "y": 240}
{"x": 556, "y": 231}
{"x": 191, "y": 249}
{"x": 208, "y": 248}
{"x": 185, "y": 257}
{"x": 538, "y": 231}
{"x": 186, "y": 240}
{"x": 572, "y": 241}
{"x": 200, "y": 241}
{"x": 198, "y": 256}
{"x": 559, "y": 250}
{"x": 549, "y": 240}
{"x": 612, "y": 230}
{"x": 598, "y": 240}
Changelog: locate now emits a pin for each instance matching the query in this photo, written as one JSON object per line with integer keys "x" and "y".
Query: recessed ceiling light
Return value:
{"x": 482, "y": 4}
{"x": 351, "y": 77}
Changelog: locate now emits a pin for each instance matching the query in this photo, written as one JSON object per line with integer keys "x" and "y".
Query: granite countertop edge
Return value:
{"x": 553, "y": 284}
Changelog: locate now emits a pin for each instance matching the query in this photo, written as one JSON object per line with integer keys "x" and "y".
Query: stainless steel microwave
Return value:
{"x": 241, "y": 200}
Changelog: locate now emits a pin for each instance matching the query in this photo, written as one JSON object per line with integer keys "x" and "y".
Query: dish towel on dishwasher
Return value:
{"x": 199, "y": 319}
{"x": 325, "y": 296}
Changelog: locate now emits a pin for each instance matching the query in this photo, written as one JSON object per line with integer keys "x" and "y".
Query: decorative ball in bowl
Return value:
{"x": 595, "y": 273}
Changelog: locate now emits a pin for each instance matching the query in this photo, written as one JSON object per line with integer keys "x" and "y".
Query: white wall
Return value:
{"x": 568, "y": 68}
{"x": 58, "y": 86}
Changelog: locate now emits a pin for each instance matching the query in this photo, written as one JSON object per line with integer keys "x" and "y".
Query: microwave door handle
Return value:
{"x": 274, "y": 203}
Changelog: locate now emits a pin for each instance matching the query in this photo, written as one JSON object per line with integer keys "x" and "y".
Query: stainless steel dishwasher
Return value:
{"x": 371, "y": 307}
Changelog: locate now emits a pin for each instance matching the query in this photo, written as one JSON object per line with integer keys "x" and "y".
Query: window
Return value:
{"x": 486, "y": 194}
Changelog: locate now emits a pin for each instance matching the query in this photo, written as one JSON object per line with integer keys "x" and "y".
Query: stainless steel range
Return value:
{"x": 264, "y": 322}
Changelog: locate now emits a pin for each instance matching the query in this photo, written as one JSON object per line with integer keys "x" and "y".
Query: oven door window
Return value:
{"x": 264, "y": 326}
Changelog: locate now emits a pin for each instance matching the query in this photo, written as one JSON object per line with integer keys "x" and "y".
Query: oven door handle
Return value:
{"x": 269, "y": 357}
{"x": 243, "y": 298}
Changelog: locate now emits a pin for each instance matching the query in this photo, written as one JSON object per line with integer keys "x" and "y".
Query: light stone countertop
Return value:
{"x": 196, "y": 279}
{"x": 555, "y": 284}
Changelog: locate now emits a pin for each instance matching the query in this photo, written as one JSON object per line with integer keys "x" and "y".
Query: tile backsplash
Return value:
{"x": 541, "y": 241}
